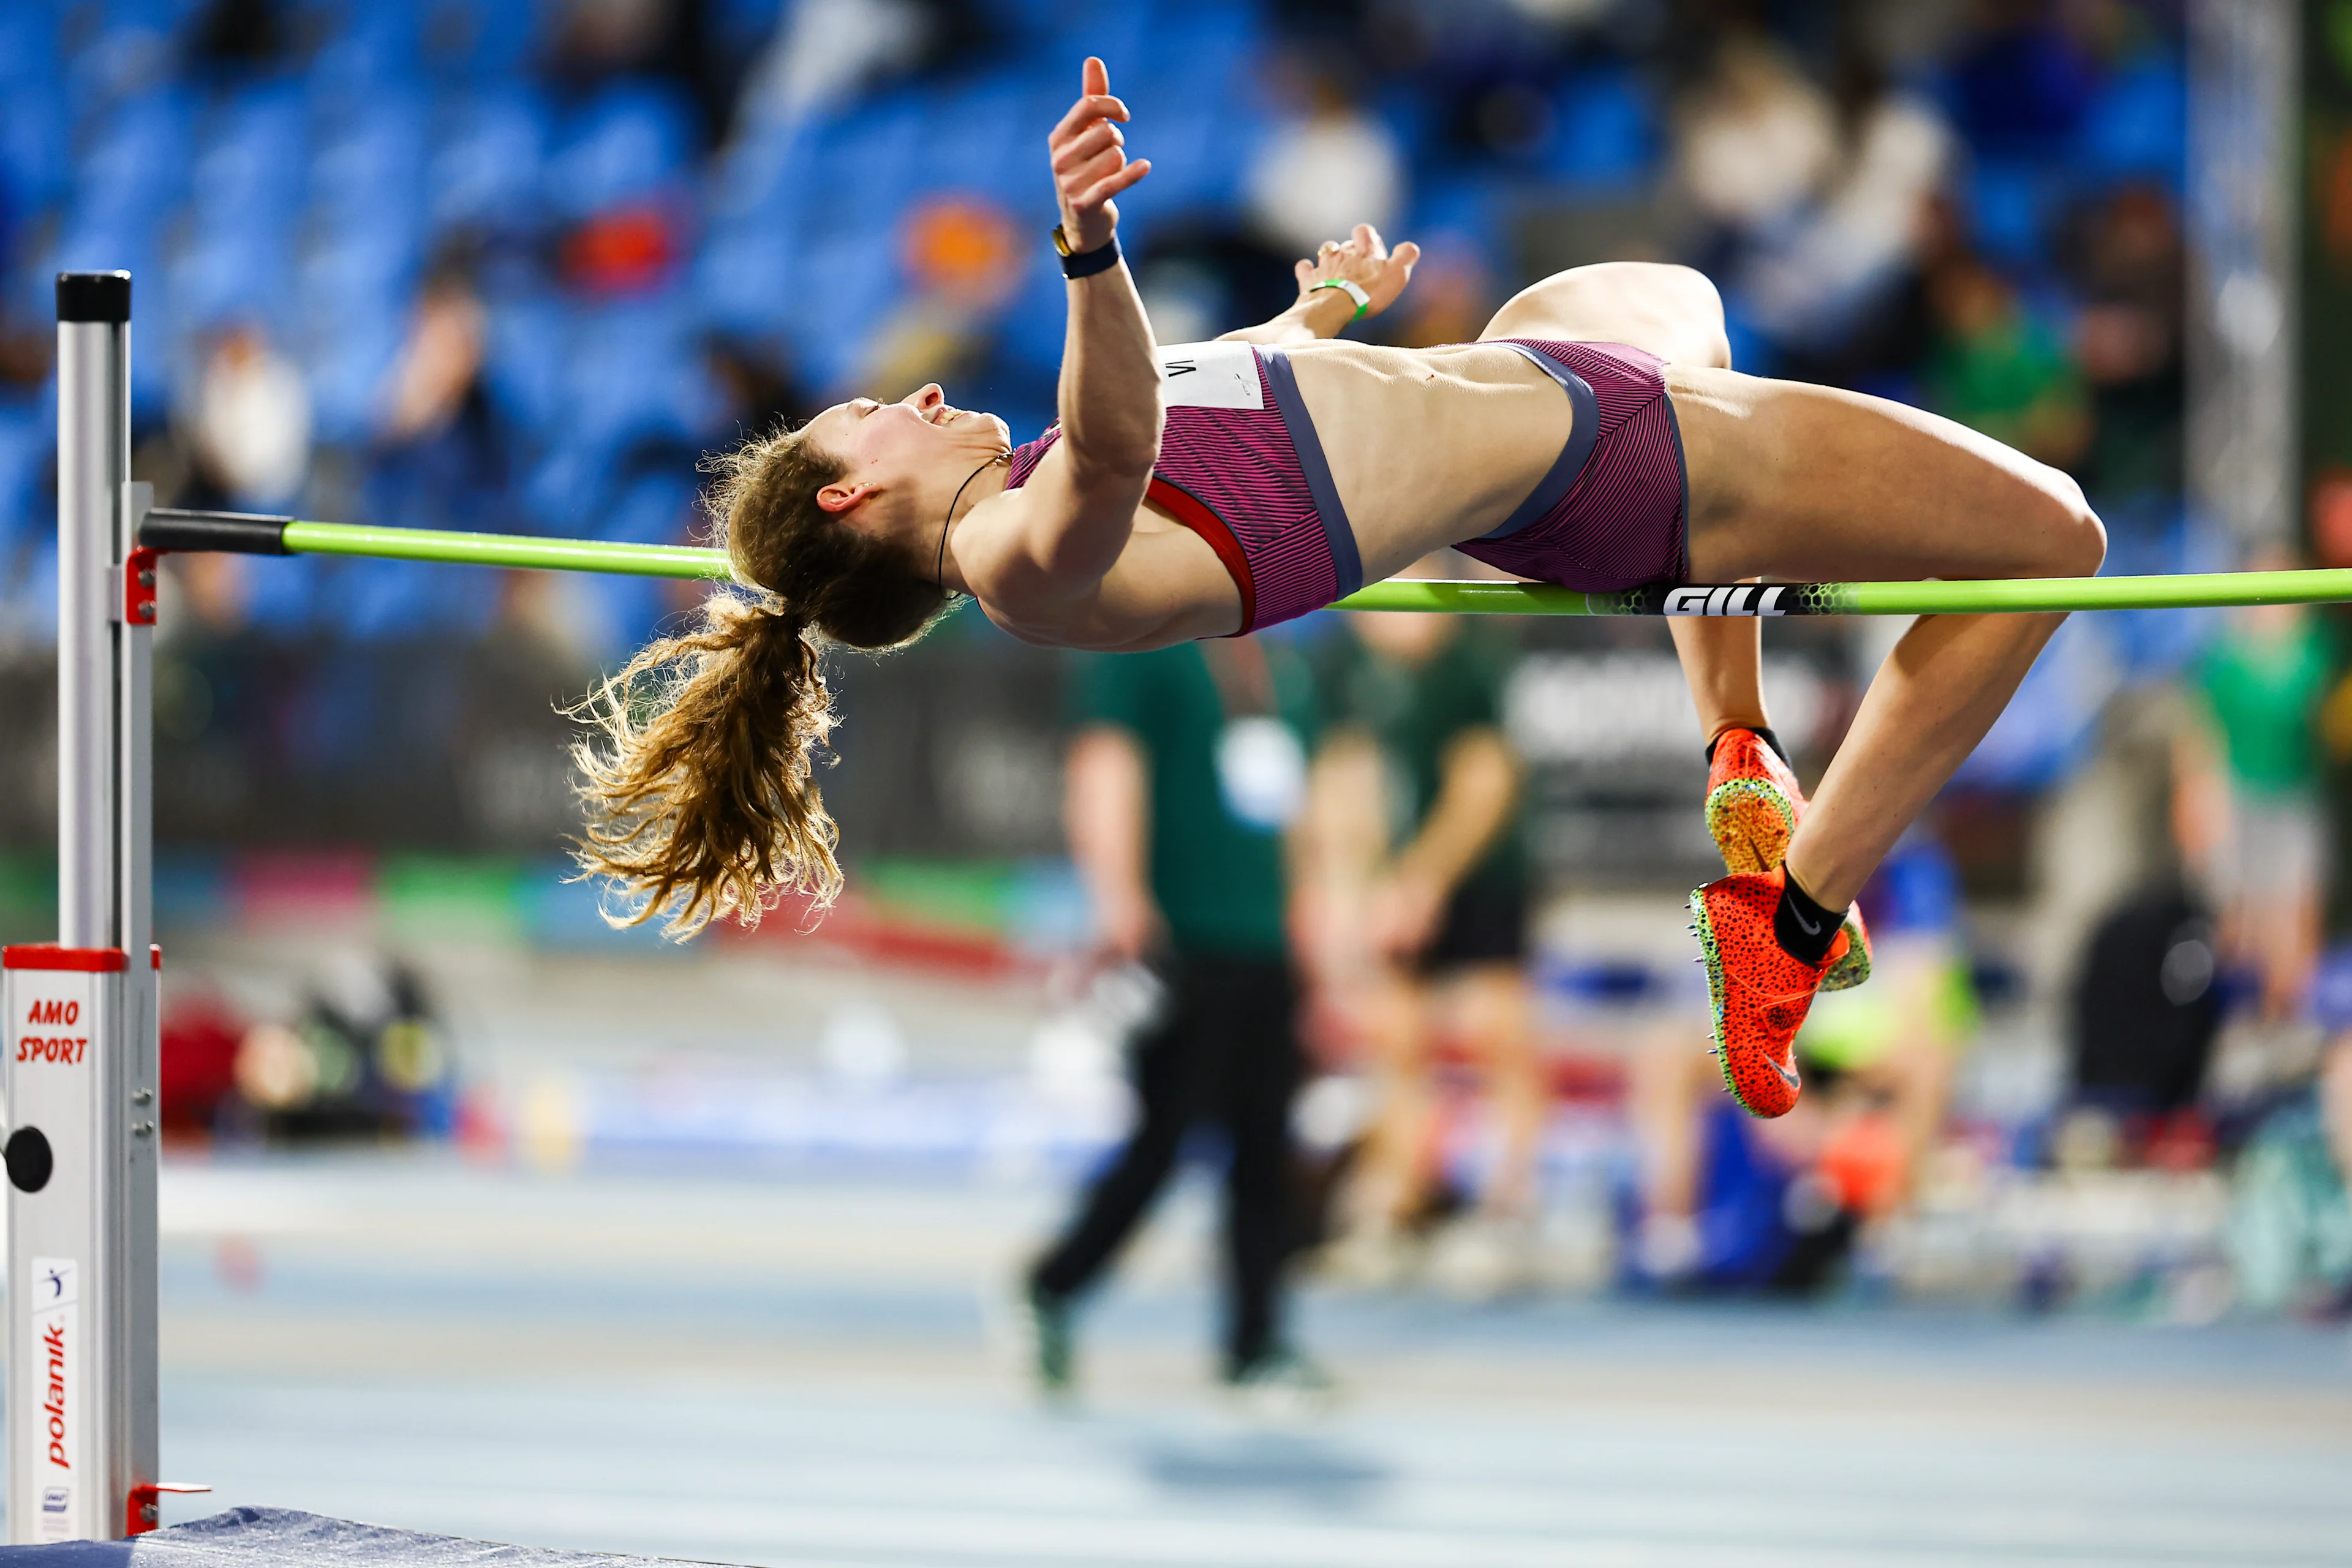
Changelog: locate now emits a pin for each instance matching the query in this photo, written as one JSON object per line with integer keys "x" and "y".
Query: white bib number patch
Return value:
{"x": 1209, "y": 375}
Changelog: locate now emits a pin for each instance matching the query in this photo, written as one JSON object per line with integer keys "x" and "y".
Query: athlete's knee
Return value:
{"x": 2064, "y": 537}
{"x": 2071, "y": 541}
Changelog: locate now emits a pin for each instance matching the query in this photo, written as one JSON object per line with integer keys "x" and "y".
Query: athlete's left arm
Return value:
{"x": 1079, "y": 506}
{"x": 1363, "y": 258}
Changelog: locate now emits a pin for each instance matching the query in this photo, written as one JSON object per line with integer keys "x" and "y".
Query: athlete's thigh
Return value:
{"x": 1671, "y": 311}
{"x": 1797, "y": 481}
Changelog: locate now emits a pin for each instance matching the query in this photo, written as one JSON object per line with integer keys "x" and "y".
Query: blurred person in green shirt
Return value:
{"x": 1188, "y": 764}
{"x": 1420, "y": 900}
{"x": 2263, "y": 684}
{"x": 1996, "y": 369}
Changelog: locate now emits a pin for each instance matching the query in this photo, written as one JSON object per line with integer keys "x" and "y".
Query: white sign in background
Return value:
{"x": 1635, "y": 705}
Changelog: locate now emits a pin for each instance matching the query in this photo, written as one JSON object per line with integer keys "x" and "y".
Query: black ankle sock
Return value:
{"x": 1804, "y": 928}
{"x": 1762, "y": 733}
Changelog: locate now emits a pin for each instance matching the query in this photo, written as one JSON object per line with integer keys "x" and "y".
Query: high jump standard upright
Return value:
{"x": 80, "y": 1068}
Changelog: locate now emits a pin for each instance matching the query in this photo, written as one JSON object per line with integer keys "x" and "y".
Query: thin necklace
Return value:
{"x": 939, "y": 564}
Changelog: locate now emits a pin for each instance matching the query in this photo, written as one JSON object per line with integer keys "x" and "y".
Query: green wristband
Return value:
{"x": 1363, "y": 300}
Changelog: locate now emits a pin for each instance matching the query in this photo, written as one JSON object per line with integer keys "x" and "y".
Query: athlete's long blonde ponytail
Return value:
{"x": 698, "y": 786}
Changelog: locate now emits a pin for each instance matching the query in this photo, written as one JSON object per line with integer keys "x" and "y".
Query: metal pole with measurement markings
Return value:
{"x": 80, "y": 1059}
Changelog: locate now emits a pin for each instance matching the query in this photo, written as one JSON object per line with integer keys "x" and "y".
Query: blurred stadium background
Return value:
{"x": 515, "y": 266}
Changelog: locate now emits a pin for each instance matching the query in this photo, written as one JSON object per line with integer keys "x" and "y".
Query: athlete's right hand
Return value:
{"x": 1364, "y": 260}
{"x": 1090, "y": 161}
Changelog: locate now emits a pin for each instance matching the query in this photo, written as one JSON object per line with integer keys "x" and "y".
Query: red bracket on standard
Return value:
{"x": 139, "y": 587}
{"x": 141, "y": 1511}
{"x": 50, "y": 955}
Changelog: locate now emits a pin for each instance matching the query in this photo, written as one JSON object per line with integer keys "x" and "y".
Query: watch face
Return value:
{"x": 1061, "y": 240}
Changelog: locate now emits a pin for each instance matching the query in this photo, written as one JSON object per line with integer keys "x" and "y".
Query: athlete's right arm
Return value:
{"x": 1082, "y": 508}
{"x": 1364, "y": 260}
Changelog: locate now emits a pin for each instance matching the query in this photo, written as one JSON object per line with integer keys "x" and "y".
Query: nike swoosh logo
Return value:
{"x": 1808, "y": 927}
{"x": 1788, "y": 1074}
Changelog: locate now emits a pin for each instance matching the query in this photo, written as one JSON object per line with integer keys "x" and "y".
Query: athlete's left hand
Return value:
{"x": 1364, "y": 260}
{"x": 1090, "y": 161}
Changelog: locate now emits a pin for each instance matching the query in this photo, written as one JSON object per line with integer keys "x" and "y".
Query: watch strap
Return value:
{"x": 1085, "y": 263}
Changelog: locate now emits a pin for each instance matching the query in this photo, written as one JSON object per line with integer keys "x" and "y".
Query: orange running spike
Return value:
{"x": 1757, "y": 991}
{"x": 1753, "y": 805}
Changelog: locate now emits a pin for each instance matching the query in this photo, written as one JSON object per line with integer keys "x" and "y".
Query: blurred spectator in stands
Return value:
{"x": 240, "y": 36}
{"x": 249, "y": 424}
{"x": 1754, "y": 136}
{"x": 757, "y": 385}
{"x": 216, "y": 593}
{"x": 591, "y": 42}
{"x": 964, "y": 258}
{"x": 2125, "y": 254}
{"x": 2264, "y": 682}
{"x": 24, "y": 353}
{"x": 197, "y": 1069}
{"x": 1453, "y": 297}
{"x": 630, "y": 248}
{"x": 440, "y": 443}
{"x": 1202, "y": 272}
{"x": 2290, "y": 1235}
{"x": 2024, "y": 83}
{"x": 2336, "y": 1118}
{"x": 2291, "y": 1224}
{"x": 436, "y": 380}
{"x": 1840, "y": 256}
{"x": 828, "y": 51}
{"x": 1188, "y": 766}
{"x": 1419, "y": 908}
{"x": 1997, "y": 368}
{"x": 1326, "y": 167}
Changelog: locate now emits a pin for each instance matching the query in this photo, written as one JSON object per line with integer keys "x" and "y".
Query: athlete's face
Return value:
{"x": 903, "y": 453}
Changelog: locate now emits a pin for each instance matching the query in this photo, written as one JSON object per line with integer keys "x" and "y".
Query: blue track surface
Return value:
{"x": 801, "y": 1373}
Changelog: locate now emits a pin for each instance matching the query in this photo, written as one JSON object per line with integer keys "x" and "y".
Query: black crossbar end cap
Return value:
{"x": 93, "y": 296}
{"x": 218, "y": 533}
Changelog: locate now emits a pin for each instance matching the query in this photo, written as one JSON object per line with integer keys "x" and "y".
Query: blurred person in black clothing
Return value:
{"x": 756, "y": 384}
{"x": 1187, "y": 767}
{"x": 440, "y": 445}
{"x": 2126, "y": 254}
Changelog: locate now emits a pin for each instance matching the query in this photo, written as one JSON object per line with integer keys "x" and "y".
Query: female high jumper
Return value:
{"x": 1594, "y": 436}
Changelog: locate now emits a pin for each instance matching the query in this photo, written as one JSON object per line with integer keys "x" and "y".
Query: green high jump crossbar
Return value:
{"x": 170, "y": 531}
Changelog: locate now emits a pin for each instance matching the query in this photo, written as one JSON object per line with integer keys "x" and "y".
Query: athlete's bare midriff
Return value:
{"x": 1429, "y": 446}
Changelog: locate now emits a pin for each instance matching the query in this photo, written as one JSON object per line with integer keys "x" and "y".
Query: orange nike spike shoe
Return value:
{"x": 1759, "y": 991}
{"x": 1753, "y": 805}
{"x": 1753, "y": 802}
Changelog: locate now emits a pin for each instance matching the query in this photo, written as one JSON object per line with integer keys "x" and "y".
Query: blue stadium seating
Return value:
{"x": 486, "y": 168}
{"x": 1605, "y": 138}
{"x": 627, "y": 145}
{"x": 312, "y": 197}
{"x": 2137, "y": 125}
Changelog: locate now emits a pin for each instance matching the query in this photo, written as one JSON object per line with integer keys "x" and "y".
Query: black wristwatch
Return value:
{"x": 1085, "y": 264}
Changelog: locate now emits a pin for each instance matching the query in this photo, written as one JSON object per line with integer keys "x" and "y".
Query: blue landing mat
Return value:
{"x": 258, "y": 1537}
